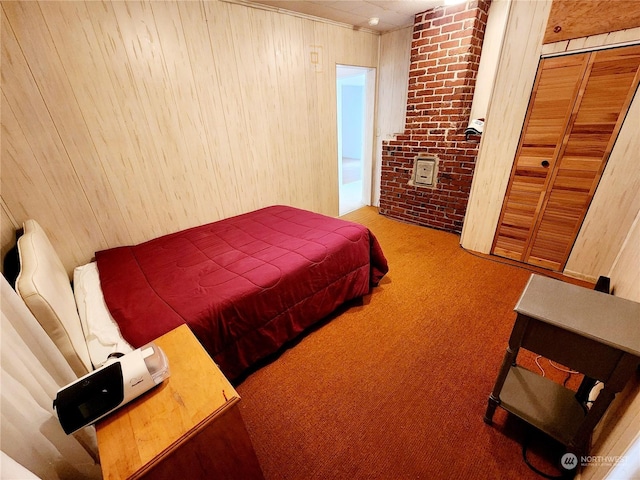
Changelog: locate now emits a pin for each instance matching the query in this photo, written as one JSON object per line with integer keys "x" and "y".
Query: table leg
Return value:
{"x": 494, "y": 399}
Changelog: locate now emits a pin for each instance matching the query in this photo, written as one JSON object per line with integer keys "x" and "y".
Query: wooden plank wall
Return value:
{"x": 506, "y": 113}
{"x": 614, "y": 208}
{"x": 122, "y": 121}
{"x": 618, "y": 429}
{"x": 393, "y": 83}
{"x": 594, "y": 252}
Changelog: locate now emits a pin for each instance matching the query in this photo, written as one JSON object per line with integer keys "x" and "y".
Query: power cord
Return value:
{"x": 525, "y": 443}
{"x": 525, "y": 446}
{"x": 569, "y": 372}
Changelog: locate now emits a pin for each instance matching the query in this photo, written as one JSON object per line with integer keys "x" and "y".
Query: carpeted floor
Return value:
{"x": 396, "y": 386}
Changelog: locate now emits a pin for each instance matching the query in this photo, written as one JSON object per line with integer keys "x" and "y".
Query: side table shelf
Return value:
{"x": 542, "y": 402}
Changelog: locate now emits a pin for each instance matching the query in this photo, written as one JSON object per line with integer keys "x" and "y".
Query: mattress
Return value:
{"x": 244, "y": 285}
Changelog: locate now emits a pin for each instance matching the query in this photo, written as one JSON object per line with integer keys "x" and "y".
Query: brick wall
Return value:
{"x": 445, "y": 54}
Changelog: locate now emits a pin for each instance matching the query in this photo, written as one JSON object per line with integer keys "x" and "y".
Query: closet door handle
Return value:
{"x": 545, "y": 163}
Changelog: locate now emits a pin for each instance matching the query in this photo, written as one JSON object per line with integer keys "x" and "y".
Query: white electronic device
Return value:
{"x": 111, "y": 386}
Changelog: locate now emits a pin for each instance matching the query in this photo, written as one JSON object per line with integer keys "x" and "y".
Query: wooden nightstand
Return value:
{"x": 187, "y": 427}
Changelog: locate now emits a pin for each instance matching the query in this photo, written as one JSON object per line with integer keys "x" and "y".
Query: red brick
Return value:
{"x": 454, "y": 83}
{"x": 431, "y": 32}
{"x": 453, "y": 27}
{"x": 465, "y": 15}
{"x": 457, "y": 66}
{"x": 436, "y": 69}
{"x": 425, "y": 79}
{"x": 446, "y": 60}
{"x": 460, "y": 51}
{"x": 438, "y": 39}
{"x": 467, "y": 40}
{"x": 441, "y": 20}
{"x": 462, "y": 35}
{"x": 450, "y": 44}
{"x": 445, "y": 76}
{"x": 445, "y": 63}
{"x": 423, "y": 93}
{"x": 438, "y": 54}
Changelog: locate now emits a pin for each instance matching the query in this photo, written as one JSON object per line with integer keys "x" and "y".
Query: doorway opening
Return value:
{"x": 355, "y": 88}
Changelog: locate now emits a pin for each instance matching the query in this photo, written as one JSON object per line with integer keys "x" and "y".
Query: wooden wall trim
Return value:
{"x": 306, "y": 16}
{"x": 594, "y": 42}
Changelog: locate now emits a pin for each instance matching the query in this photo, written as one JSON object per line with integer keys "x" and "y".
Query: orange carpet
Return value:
{"x": 396, "y": 386}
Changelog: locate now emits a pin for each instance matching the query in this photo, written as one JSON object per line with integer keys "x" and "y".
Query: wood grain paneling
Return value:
{"x": 123, "y": 121}
{"x": 507, "y": 110}
{"x": 613, "y": 210}
{"x": 578, "y": 105}
{"x": 393, "y": 81}
{"x": 619, "y": 428}
{"x": 554, "y": 93}
{"x": 601, "y": 109}
{"x": 625, "y": 275}
{"x": 594, "y": 252}
{"x": 570, "y": 19}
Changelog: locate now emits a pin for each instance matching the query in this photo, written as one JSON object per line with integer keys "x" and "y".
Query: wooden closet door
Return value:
{"x": 554, "y": 92}
{"x": 593, "y": 117}
{"x": 600, "y": 109}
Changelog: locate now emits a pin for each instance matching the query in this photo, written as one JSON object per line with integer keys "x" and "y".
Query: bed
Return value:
{"x": 245, "y": 286}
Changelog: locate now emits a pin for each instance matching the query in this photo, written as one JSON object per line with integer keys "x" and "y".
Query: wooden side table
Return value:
{"x": 589, "y": 331}
{"x": 187, "y": 427}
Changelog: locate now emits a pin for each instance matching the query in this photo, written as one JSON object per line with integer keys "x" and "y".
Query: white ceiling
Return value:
{"x": 392, "y": 14}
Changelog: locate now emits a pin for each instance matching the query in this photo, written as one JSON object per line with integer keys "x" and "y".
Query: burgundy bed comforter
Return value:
{"x": 244, "y": 285}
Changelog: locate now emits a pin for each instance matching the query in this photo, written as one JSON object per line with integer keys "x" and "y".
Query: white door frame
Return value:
{"x": 368, "y": 151}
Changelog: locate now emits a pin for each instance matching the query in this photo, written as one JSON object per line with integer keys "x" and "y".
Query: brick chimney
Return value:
{"x": 445, "y": 54}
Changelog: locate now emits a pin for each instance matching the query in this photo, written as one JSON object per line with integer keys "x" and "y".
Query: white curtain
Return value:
{"x": 32, "y": 372}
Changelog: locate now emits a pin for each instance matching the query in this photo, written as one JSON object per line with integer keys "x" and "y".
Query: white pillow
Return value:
{"x": 101, "y": 330}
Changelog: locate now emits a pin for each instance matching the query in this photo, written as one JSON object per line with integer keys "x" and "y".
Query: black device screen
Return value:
{"x": 85, "y": 401}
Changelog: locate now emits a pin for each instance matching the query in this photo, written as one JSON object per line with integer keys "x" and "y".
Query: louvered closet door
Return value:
{"x": 554, "y": 92}
{"x": 576, "y": 110}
